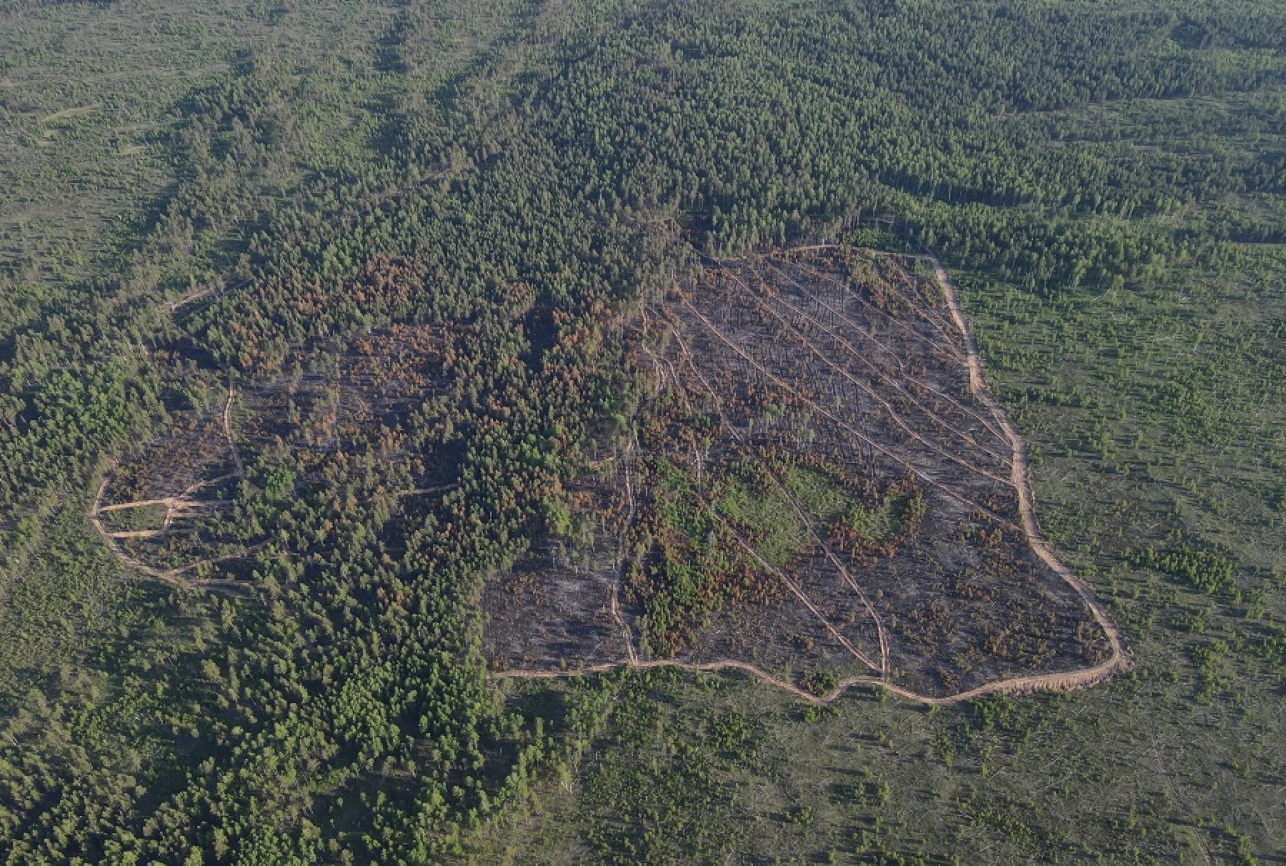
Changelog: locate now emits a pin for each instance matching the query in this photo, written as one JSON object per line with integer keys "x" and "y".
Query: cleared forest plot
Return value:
{"x": 818, "y": 487}
{"x": 176, "y": 508}
{"x": 559, "y": 608}
{"x": 821, "y": 488}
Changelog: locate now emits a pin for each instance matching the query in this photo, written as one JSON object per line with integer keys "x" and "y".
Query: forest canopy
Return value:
{"x": 313, "y": 316}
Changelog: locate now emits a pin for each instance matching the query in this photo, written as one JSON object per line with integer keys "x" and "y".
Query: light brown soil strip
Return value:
{"x": 140, "y": 533}
{"x": 1053, "y": 682}
{"x": 1022, "y": 483}
{"x": 189, "y": 298}
{"x": 193, "y": 488}
{"x": 214, "y": 581}
{"x": 425, "y": 491}
{"x": 171, "y": 576}
{"x": 663, "y": 663}
{"x": 117, "y": 549}
{"x": 167, "y": 501}
{"x": 192, "y": 297}
{"x": 227, "y": 430}
{"x": 175, "y": 507}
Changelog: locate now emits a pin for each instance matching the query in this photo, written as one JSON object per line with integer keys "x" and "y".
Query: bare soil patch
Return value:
{"x": 823, "y": 490}
{"x": 820, "y": 489}
{"x": 179, "y": 507}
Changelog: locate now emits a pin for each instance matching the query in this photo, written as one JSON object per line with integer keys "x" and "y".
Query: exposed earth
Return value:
{"x": 822, "y": 490}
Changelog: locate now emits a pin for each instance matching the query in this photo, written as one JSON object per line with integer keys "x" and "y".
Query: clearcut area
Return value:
{"x": 821, "y": 489}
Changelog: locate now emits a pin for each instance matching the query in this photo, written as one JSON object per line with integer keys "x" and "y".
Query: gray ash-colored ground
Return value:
{"x": 815, "y": 485}
{"x": 172, "y": 502}
{"x": 841, "y": 363}
{"x": 558, "y": 607}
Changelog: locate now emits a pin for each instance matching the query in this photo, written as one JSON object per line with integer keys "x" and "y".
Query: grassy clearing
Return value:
{"x": 782, "y": 535}
{"x": 886, "y": 521}
{"x": 772, "y": 511}
{"x": 819, "y": 495}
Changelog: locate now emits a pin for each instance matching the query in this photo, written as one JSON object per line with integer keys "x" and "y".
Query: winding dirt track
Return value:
{"x": 1079, "y": 678}
{"x": 1021, "y": 478}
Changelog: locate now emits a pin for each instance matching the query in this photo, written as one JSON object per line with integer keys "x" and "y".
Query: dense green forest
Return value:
{"x": 216, "y": 210}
